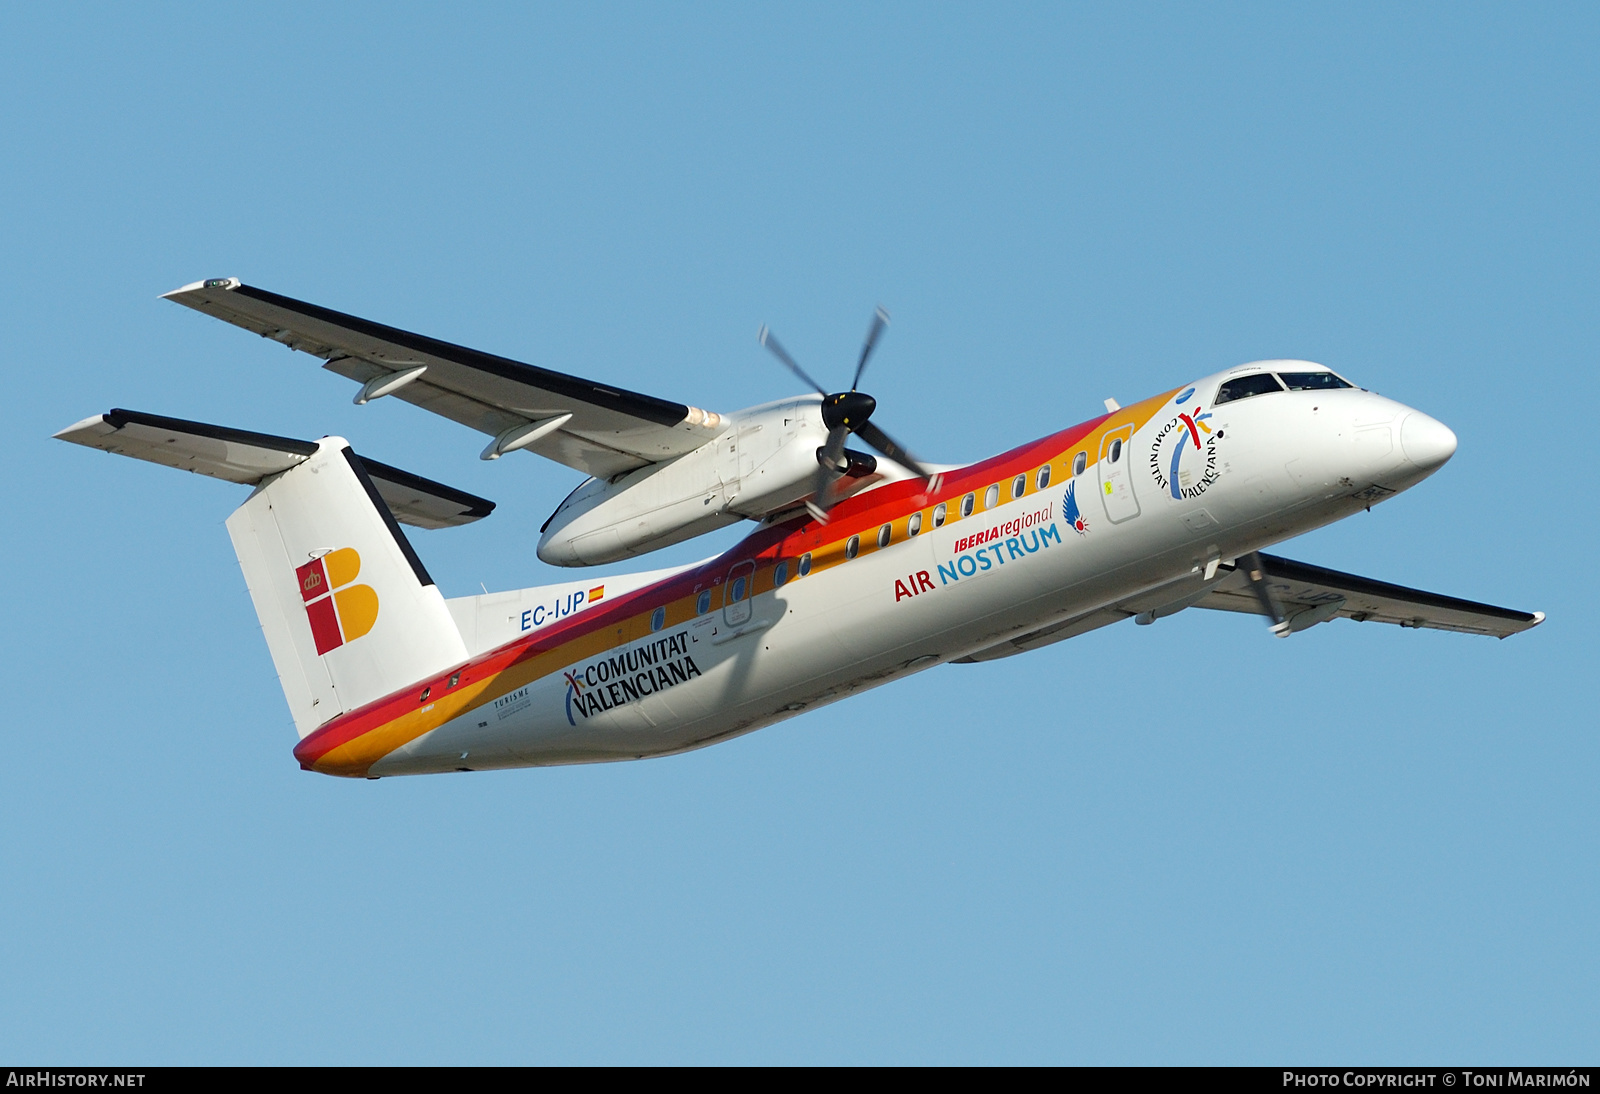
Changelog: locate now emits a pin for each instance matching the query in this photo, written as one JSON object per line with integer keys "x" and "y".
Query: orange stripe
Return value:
{"x": 350, "y": 744}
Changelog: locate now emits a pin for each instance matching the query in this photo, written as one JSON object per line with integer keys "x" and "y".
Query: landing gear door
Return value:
{"x": 1116, "y": 475}
{"x": 736, "y": 594}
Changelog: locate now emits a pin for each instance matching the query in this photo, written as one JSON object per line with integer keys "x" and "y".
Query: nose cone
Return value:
{"x": 848, "y": 408}
{"x": 1427, "y": 443}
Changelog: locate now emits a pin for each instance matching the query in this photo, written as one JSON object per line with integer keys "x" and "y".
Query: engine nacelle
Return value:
{"x": 764, "y": 462}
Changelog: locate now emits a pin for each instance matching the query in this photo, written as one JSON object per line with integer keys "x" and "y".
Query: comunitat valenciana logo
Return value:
{"x": 339, "y": 611}
{"x": 1185, "y": 476}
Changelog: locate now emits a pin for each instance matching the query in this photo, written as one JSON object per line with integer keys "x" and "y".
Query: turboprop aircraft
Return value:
{"x": 860, "y": 570}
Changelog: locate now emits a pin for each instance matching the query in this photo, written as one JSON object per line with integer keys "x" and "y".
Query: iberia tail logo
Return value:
{"x": 349, "y": 612}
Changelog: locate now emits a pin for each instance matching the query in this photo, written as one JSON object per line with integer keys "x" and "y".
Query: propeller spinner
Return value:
{"x": 844, "y": 413}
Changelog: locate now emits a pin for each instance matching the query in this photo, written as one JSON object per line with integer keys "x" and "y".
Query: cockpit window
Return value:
{"x": 1242, "y": 387}
{"x": 1310, "y": 381}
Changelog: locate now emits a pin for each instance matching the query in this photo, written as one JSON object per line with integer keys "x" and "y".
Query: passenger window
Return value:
{"x": 737, "y": 591}
{"x": 852, "y": 548}
{"x": 939, "y": 513}
{"x": 703, "y": 604}
{"x": 1019, "y": 486}
{"x": 1243, "y": 387}
{"x": 991, "y": 496}
{"x": 658, "y": 619}
{"x": 780, "y": 574}
{"x": 966, "y": 505}
{"x": 914, "y": 525}
{"x": 805, "y": 564}
{"x": 1116, "y": 450}
{"x": 1043, "y": 477}
{"x": 1310, "y": 381}
{"x": 1079, "y": 462}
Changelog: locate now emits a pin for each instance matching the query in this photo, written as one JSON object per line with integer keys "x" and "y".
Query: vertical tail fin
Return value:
{"x": 349, "y": 612}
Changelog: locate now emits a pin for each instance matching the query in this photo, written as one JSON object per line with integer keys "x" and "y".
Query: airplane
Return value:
{"x": 861, "y": 569}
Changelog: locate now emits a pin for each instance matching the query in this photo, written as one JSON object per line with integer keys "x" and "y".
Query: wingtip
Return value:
{"x": 1538, "y": 617}
{"x": 227, "y": 284}
{"x": 77, "y": 428}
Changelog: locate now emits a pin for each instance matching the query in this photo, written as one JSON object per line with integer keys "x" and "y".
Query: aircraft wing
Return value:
{"x": 1307, "y": 595}
{"x": 609, "y": 430}
{"x": 241, "y": 456}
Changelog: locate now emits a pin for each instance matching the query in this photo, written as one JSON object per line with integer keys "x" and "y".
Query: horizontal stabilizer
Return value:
{"x": 1307, "y": 595}
{"x": 422, "y": 502}
{"x": 233, "y": 454}
{"x": 247, "y": 458}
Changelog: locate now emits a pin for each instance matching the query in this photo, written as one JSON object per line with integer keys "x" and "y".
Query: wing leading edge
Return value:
{"x": 602, "y": 431}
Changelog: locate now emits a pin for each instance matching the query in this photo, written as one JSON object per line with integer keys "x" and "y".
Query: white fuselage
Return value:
{"x": 1270, "y": 467}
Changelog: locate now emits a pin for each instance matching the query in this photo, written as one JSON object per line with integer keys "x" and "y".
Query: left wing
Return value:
{"x": 1308, "y": 595}
{"x": 602, "y": 431}
{"x": 1305, "y": 595}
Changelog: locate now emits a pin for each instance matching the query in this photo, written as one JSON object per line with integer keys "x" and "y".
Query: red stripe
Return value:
{"x": 849, "y": 517}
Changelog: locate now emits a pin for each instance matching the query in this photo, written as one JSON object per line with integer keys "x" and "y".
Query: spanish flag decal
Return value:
{"x": 349, "y": 612}
{"x": 596, "y": 593}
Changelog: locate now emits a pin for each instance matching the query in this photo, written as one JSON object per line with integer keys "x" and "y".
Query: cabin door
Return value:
{"x": 736, "y": 594}
{"x": 1116, "y": 475}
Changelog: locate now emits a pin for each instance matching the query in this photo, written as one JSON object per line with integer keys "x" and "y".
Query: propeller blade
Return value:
{"x": 828, "y": 460}
{"x": 887, "y": 445}
{"x": 880, "y": 319}
{"x": 765, "y": 337}
{"x": 1256, "y": 571}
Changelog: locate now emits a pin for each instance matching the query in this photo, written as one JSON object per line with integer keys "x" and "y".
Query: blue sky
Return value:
{"x": 1180, "y": 843}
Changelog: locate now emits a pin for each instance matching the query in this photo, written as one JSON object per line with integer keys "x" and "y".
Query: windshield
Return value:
{"x": 1242, "y": 387}
{"x": 1311, "y": 381}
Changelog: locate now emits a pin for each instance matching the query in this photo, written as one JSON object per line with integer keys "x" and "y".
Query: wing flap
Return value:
{"x": 584, "y": 453}
{"x": 1313, "y": 594}
{"x": 611, "y": 429}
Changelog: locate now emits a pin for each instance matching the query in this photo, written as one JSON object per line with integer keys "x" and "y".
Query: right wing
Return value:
{"x": 601, "y": 431}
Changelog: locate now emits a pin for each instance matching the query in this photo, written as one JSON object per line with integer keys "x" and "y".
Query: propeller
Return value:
{"x": 1256, "y": 571}
{"x": 844, "y": 413}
